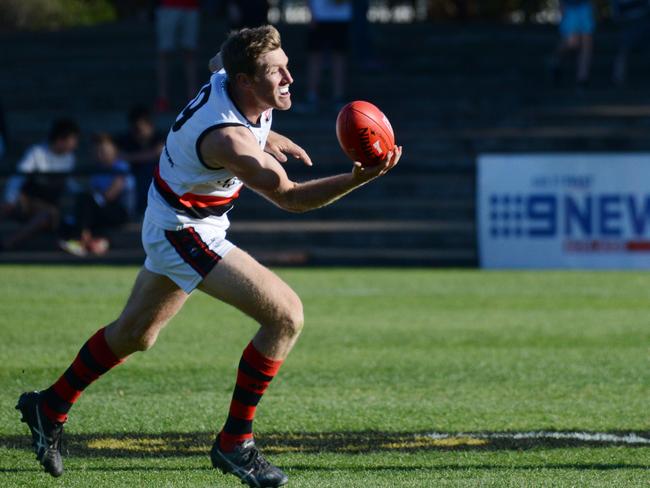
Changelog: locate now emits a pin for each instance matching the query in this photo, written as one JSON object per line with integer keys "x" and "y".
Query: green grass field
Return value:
{"x": 401, "y": 378}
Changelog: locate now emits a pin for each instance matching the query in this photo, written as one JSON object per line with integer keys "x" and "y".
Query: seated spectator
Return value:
{"x": 633, "y": 17}
{"x": 103, "y": 206}
{"x": 33, "y": 196}
{"x": 141, "y": 147}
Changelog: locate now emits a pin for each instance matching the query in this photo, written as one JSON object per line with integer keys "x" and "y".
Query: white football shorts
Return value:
{"x": 185, "y": 255}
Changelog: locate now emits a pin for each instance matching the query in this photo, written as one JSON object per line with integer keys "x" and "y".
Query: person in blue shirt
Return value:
{"x": 141, "y": 147}
{"x": 576, "y": 30}
{"x": 104, "y": 205}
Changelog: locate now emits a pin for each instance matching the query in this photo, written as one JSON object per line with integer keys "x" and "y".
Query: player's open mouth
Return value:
{"x": 284, "y": 90}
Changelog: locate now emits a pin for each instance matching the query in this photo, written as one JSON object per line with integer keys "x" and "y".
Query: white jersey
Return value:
{"x": 184, "y": 189}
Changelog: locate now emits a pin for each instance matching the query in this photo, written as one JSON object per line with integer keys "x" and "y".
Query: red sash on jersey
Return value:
{"x": 193, "y": 204}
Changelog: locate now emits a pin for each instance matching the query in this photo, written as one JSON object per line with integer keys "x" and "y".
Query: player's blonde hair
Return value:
{"x": 242, "y": 49}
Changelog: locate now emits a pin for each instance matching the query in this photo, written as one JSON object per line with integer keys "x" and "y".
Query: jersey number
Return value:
{"x": 191, "y": 108}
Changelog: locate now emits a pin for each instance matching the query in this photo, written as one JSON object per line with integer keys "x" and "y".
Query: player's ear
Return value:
{"x": 243, "y": 80}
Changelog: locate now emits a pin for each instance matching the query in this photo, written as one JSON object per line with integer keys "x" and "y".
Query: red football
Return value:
{"x": 364, "y": 133}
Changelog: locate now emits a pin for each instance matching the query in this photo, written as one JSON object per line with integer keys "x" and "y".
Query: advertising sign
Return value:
{"x": 564, "y": 211}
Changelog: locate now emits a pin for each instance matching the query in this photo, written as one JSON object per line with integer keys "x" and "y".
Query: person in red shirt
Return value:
{"x": 177, "y": 24}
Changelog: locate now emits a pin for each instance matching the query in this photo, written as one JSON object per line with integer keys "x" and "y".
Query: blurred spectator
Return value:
{"x": 33, "y": 196}
{"x": 633, "y": 17}
{"x": 328, "y": 33}
{"x": 103, "y": 207}
{"x": 176, "y": 20}
{"x": 576, "y": 31}
{"x": 362, "y": 42}
{"x": 141, "y": 147}
{"x": 247, "y": 13}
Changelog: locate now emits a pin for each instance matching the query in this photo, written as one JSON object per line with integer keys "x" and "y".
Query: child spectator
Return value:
{"x": 576, "y": 30}
{"x": 141, "y": 147}
{"x": 33, "y": 196}
{"x": 104, "y": 206}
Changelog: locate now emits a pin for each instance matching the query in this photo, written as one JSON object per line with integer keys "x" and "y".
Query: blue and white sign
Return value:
{"x": 564, "y": 211}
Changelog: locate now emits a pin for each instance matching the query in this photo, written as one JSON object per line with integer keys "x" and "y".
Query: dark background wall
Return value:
{"x": 452, "y": 90}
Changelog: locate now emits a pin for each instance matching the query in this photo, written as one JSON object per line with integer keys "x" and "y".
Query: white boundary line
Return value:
{"x": 604, "y": 437}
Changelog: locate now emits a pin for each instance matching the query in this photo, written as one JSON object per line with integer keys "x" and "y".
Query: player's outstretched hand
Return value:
{"x": 367, "y": 173}
{"x": 279, "y": 146}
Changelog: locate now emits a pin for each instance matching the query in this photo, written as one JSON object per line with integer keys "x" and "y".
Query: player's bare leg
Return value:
{"x": 155, "y": 299}
{"x": 241, "y": 281}
{"x": 153, "y": 302}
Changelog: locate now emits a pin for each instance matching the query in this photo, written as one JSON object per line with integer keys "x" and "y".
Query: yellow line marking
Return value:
{"x": 188, "y": 445}
{"x": 421, "y": 442}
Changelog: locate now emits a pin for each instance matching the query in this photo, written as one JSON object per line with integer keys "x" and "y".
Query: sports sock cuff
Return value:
{"x": 101, "y": 351}
{"x": 228, "y": 442}
{"x": 257, "y": 360}
{"x": 52, "y": 416}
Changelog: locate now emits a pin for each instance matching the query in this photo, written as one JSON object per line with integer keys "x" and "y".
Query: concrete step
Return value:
{"x": 293, "y": 243}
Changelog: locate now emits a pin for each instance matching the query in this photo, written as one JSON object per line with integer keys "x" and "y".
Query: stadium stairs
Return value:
{"x": 452, "y": 92}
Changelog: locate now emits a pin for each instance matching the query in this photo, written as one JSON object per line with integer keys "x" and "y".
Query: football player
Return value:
{"x": 221, "y": 141}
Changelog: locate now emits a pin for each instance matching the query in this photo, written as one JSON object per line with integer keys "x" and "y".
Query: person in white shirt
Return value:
{"x": 32, "y": 196}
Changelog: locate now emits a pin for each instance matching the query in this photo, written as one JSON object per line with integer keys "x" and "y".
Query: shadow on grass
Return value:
{"x": 360, "y": 469}
{"x": 172, "y": 444}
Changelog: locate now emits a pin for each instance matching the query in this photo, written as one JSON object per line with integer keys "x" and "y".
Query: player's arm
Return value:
{"x": 236, "y": 149}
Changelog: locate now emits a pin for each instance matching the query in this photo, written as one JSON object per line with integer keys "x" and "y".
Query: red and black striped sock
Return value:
{"x": 253, "y": 377}
{"x": 94, "y": 359}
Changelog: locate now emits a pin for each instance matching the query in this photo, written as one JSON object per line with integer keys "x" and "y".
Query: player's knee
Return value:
{"x": 128, "y": 338}
{"x": 290, "y": 317}
{"x": 143, "y": 342}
